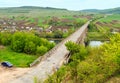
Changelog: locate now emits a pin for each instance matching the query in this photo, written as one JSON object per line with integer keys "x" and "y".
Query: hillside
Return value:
{"x": 105, "y": 11}
{"x": 36, "y": 11}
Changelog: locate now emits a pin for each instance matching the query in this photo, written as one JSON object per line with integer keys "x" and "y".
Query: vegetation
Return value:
{"x": 24, "y": 42}
{"x": 17, "y": 59}
{"x": 22, "y": 47}
{"x": 110, "y": 18}
{"x": 105, "y": 11}
{"x": 88, "y": 65}
{"x": 102, "y": 28}
{"x": 97, "y": 33}
{"x": 32, "y": 11}
{"x": 26, "y": 27}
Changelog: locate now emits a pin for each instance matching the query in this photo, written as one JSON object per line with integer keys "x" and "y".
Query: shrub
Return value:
{"x": 5, "y": 38}
{"x": 41, "y": 50}
{"x": 30, "y": 47}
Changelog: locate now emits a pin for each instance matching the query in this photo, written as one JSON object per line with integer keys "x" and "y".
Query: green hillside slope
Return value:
{"x": 36, "y": 11}
{"x": 105, "y": 11}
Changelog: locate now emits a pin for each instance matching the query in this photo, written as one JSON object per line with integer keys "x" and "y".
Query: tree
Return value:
{"x": 58, "y": 34}
{"x": 41, "y": 50}
{"x": 5, "y": 38}
{"x": 18, "y": 42}
{"x": 72, "y": 47}
{"x": 29, "y": 47}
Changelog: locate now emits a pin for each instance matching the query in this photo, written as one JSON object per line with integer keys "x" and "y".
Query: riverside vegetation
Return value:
{"x": 93, "y": 64}
{"x": 90, "y": 65}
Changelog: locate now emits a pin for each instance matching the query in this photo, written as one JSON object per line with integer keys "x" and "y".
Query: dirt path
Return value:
{"x": 6, "y": 74}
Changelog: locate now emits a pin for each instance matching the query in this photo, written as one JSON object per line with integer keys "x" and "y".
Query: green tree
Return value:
{"x": 29, "y": 47}
{"x": 5, "y": 38}
{"x": 18, "y": 42}
{"x": 41, "y": 50}
{"x": 58, "y": 34}
{"x": 72, "y": 47}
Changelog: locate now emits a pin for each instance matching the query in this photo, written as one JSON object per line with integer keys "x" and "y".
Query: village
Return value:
{"x": 12, "y": 25}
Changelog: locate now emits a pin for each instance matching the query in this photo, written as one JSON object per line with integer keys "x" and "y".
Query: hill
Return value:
{"x": 105, "y": 11}
{"x": 36, "y": 11}
{"x": 90, "y": 10}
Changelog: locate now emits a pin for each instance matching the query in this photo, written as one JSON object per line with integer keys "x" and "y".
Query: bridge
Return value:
{"x": 53, "y": 59}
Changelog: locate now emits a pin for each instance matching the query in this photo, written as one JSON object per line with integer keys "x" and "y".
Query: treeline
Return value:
{"x": 25, "y": 42}
{"x": 90, "y": 65}
{"x": 92, "y": 26}
{"x": 68, "y": 21}
{"x": 56, "y": 34}
{"x": 69, "y": 24}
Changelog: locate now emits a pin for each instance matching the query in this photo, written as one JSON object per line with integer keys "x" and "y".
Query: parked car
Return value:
{"x": 7, "y": 64}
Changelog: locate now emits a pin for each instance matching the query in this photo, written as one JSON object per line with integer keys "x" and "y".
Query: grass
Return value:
{"x": 103, "y": 30}
{"x": 97, "y": 36}
{"x": 35, "y": 12}
{"x": 17, "y": 59}
{"x": 114, "y": 79}
{"x": 110, "y": 18}
{"x": 117, "y": 25}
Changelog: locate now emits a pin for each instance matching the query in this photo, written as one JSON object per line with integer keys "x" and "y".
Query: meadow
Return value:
{"x": 110, "y": 18}
{"x": 17, "y": 59}
{"x": 102, "y": 28}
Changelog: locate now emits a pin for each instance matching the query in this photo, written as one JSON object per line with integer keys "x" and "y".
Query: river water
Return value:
{"x": 55, "y": 40}
{"x": 91, "y": 43}
{"x": 95, "y": 43}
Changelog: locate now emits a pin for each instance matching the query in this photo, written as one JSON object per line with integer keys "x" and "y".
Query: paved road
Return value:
{"x": 47, "y": 67}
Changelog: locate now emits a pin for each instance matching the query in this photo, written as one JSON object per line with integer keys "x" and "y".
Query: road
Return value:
{"x": 48, "y": 66}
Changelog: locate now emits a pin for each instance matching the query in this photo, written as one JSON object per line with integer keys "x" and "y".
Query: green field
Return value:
{"x": 110, "y": 18}
{"x": 102, "y": 28}
{"x": 17, "y": 59}
{"x": 36, "y": 12}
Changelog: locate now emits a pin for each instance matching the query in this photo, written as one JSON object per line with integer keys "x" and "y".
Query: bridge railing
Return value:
{"x": 49, "y": 53}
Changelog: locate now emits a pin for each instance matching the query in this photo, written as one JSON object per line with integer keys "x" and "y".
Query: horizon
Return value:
{"x": 55, "y": 7}
{"x": 63, "y": 4}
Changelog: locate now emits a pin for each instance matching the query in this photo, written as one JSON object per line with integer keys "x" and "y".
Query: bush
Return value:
{"x": 5, "y": 38}
{"x": 41, "y": 50}
{"x": 101, "y": 64}
{"x": 30, "y": 47}
{"x": 28, "y": 42}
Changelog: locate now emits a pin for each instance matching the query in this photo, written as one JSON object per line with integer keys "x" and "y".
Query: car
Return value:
{"x": 7, "y": 64}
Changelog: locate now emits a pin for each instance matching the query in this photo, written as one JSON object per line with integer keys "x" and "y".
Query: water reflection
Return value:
{"x": 55, "y": 40}
{"x": 95, "y": 43}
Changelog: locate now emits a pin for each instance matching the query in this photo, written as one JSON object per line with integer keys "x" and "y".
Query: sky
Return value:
{"x": 67, "y": 4}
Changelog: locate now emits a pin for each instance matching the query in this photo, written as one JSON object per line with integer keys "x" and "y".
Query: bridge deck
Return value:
{"x": 47, "y": 67}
